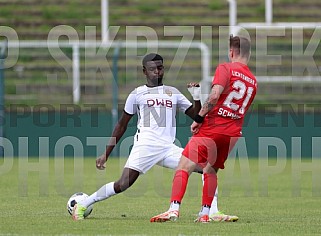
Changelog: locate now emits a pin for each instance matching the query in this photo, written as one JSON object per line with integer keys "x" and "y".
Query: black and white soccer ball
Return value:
{"x": 77, "y": 197}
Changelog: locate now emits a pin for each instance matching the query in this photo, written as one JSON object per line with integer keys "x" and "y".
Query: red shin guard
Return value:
{"x": 209, "y": 187}
{"x": 179, "y": 185}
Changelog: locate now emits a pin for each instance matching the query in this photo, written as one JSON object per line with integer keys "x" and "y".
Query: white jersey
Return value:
{"x": 156, "y": 109}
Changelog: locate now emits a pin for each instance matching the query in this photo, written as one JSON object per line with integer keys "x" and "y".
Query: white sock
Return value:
{"x": 204, "y": 210}
{"x": 214, "y": 208}
{"x": 174, "y": 206}
{"x": 103, "y": 193}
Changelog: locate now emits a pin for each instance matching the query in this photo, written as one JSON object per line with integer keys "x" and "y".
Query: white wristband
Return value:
{"x": 195, "y": 92}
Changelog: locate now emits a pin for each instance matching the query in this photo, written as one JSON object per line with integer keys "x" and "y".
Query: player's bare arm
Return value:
{"x": 118, "y": 132}
{"x": 193, "y": 110}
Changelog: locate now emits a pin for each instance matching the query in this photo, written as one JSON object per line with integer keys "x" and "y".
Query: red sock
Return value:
{"x": 179, "y": 185}
{"x": 209, "y": 187}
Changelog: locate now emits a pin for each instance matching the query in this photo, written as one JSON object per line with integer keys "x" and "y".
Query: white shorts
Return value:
{"x": 144, "y": 157}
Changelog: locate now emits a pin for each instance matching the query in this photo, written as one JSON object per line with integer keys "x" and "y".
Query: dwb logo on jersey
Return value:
{"x": 159, "y": 102}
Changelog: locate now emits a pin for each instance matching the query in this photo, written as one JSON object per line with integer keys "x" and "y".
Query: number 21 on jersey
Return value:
{"x": 238, "y": 99}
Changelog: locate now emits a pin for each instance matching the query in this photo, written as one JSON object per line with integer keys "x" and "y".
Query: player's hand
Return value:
{"x": 195, "y": 90}
{"x": 100, "y": 162}
{"x": 195, "y": 127}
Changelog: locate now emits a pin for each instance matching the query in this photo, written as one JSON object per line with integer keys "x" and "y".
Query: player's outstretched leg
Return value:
{"x": 166, "y": 216}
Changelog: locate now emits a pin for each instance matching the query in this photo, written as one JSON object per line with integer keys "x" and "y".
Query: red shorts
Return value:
{"x": 213, "y": 150}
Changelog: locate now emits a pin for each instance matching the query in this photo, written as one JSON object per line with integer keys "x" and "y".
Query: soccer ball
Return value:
{"x": 77, "y": 197}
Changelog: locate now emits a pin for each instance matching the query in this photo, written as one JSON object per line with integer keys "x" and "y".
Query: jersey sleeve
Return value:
{"x": 182, "y": 102}
{"x": 131, "y": 103}
{"x": 221, "y": 76}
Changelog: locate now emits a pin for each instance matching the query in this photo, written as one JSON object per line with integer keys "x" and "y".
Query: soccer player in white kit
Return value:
{"x": 155, "y": 105}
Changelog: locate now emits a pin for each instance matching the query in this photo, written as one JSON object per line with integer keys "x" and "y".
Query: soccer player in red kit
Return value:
{"x": 216, "y": 129}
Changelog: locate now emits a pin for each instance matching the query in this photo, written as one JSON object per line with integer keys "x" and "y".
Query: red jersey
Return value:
{"x": 239, "y": 91}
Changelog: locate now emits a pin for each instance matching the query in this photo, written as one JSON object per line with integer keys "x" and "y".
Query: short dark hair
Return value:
{"x": 152, "y": 57}
{"x": 241, "y": 44}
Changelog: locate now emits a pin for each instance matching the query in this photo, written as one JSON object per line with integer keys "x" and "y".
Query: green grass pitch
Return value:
{"x": 34, "y": 194}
